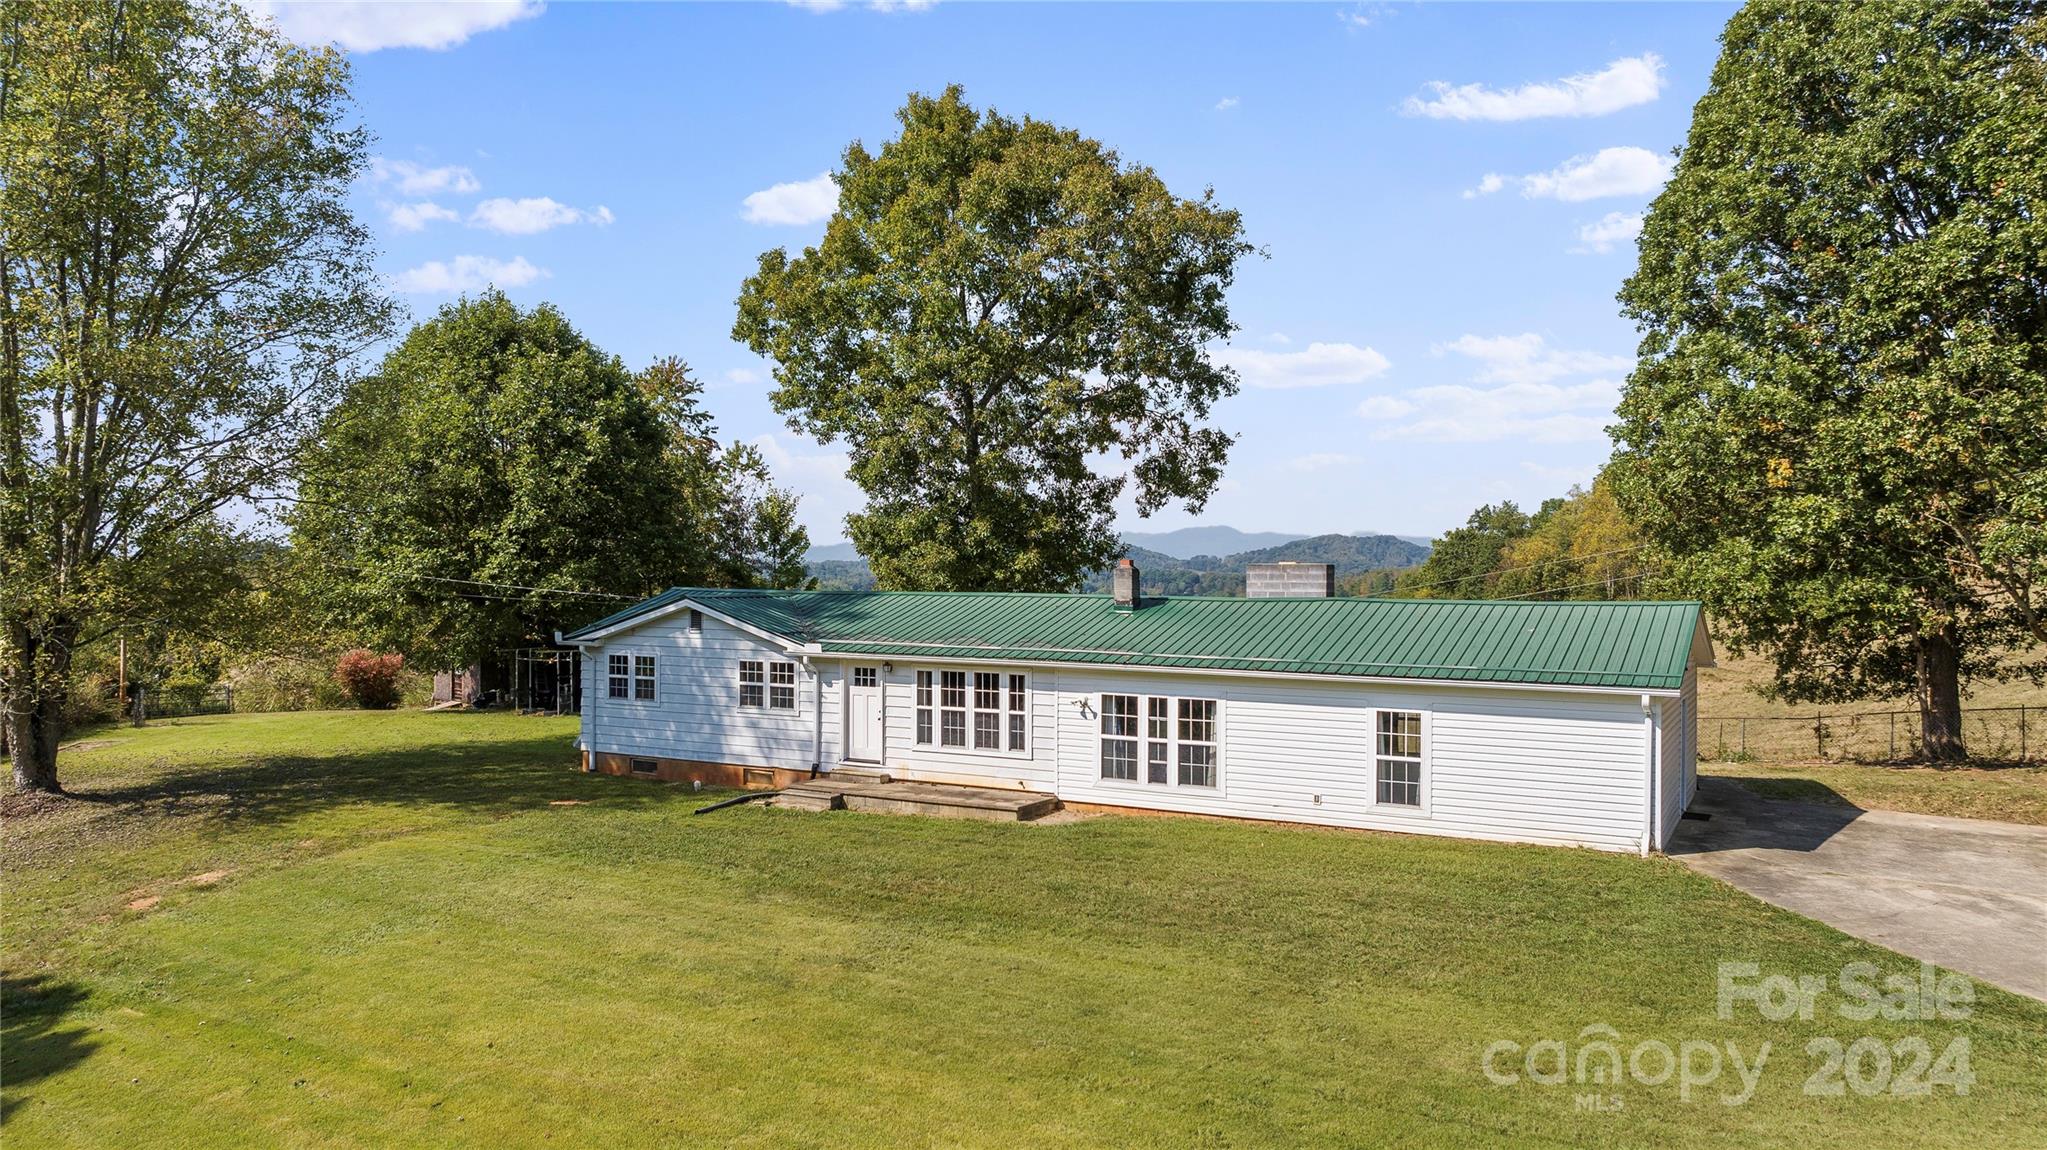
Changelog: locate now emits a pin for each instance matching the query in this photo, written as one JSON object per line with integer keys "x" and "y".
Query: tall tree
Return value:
{"x": 501, "y": 474}
{"x": 997, "y": 306}
{"x": 181, "y": 287}
{"x": 1460, "y": 563}
{"x": 1833, "y": 434}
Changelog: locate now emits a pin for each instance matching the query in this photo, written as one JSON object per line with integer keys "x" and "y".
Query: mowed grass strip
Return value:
{"x": 405, "y": 940}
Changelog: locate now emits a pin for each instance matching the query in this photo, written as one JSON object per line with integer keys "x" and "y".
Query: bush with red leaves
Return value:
{"x": 370, "y": 679}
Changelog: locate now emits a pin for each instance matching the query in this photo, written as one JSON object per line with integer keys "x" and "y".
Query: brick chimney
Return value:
{"x": 1126, "y": 585}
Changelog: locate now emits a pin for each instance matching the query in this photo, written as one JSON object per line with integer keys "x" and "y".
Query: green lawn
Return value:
{"x": 2012, "y": 794}
{"x": 407, "y": 943}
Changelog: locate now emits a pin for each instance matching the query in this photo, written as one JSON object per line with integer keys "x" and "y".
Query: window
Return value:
{"x": 864, "y": 677}
{"x": 1016, "y": 712}
{"x": 1197, "y": 742}
{"x": 1178, "y": 739}
{"x": 753, "y": 679}
{"x": 1158, "y": 734}
{"x": 619, "y": 680}
{"x": 952, "y": 708}
{"x": 1400, "y": 758}
{"x": 645, "y": 766}
{"x": 987, "y": 711}
{"x": 924, "y": 708}
{"x": 764, "y": 684}
{"x": 981, "y": 710}
{"x": 643, "y": 678}
{"x": 696, "y": 621}
{"x": 782, "y": 686}
{"x": 1119, "y": 737}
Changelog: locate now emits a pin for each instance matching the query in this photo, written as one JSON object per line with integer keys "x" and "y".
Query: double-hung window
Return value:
{"x": 1177, "y": 740}
{"x": 1400, "y": 758}
{"x": 1017, "y": 695}
{"x": 1197, "y": 742}
{"x": 983, "y": 710}
{"x": 1119, "y": 737}
{"x": 987, "y": 711}
{"x": 643, "y": 678}
{"x": 618, "y": 677}
{"x": 952, "y": 708}
{"x": 767, "y": 684}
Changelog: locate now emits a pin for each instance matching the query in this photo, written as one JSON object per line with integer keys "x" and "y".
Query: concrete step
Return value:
{"x": 798, "y": 799}
{"x": 852, "y": 774}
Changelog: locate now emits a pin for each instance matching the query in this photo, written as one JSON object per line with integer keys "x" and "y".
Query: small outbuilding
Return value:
{"x": 1568, "y": 723}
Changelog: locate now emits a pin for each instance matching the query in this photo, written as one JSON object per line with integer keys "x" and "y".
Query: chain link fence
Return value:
{"x": 1992, "y": 734}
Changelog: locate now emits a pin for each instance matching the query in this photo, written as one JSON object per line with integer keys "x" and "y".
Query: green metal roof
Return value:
{"x": 1640, "y": 646}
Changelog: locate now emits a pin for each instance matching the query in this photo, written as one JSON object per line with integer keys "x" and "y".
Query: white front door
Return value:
{"x": 863, "y": 714}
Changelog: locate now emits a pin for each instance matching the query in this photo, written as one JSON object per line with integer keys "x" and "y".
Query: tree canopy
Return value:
{"x": 1833, "y": 434}
{"x": 501, "y": 477}
{"x": 182, "y": 288}
{"x": 1008, "y": 326}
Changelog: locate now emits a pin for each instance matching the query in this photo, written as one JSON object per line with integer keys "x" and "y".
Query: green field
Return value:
{"x": 381, "y": 930}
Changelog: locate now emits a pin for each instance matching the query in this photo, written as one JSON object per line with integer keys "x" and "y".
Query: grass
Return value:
{"x": 1777, "y": 754}
{"x": 378, "y": 929}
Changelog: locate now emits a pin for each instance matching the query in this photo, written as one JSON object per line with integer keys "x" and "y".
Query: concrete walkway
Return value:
{"x": 1966, "y": 894}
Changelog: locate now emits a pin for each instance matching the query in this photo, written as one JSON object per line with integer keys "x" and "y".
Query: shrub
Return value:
{"x": 371, "y": 680}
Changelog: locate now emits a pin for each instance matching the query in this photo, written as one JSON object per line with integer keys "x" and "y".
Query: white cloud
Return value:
{"x": 1226, "y": 103}
{"x": 802, "y": 202}
{"x": 1385, "y": 407}
{"x": 1624, "y": 83}
{"x": 414, "y": 180}
{"x": 822, "y": 6}
{"x": 1492, "y": 182}
{"x": 465, "y": 274}
{"x": 1527, "y": 358}
{"x": 1354, "y": 18}
{"x": 1527, "y": 403}
{"x": 524, "y": 217}
{"x": 415, "y": 217}
{"x": 1624, "y": 171}
{"x": 819, "y": 477}
{"x": 743, "y": 377}
{"x": 361, "y": 26}
{"x": 1533, "y": 412}
{"x": 1317, "y": 365}
{"x": 1323, "y": 461}
{"x": 1612, "y": 228}
{"x": 1280, "y": 337}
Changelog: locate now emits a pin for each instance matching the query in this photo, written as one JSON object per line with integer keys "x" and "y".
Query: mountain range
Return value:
{"x": 1164, "y": 573}
{"x": 1184, "y": 543}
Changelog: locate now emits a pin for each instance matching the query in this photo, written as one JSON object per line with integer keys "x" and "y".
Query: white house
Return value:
{"x": 1565, "y": 723}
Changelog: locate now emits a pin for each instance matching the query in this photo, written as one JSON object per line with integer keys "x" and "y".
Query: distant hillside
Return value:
{"x": 827, "y": 551}
{"x": 1166, "y": 574}
{"x": 1212, "y": 575}
{"x": 1188, "y": 542}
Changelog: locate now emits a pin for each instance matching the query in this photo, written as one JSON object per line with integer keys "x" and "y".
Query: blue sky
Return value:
{"x": 1421, "y": 339}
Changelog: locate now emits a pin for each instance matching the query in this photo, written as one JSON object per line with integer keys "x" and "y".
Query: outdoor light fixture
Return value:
{"x": 888, "y": 668}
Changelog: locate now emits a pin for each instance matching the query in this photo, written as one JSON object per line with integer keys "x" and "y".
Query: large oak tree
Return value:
{"x": 1008, "y": 326}
{"x": 1835, "y": 432}
{"x": 181, "y": 289}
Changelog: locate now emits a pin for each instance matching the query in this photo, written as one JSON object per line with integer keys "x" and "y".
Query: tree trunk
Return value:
{"x": 1940, "y": 695}
{"x": 34, "y": 732}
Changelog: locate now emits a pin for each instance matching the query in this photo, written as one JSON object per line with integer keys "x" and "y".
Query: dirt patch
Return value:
{"x": 568, "y": 802}
{"x": 28, "y": 804}
{"x": 207, "y": 878}
{"x": 145, "y": 902}
{"x": 88, "y": 744}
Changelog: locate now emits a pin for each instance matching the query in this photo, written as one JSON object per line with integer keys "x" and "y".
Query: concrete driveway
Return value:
{"x": 1966, "y": 894}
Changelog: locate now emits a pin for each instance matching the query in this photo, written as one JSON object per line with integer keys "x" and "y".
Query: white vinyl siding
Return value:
{"x": 1562, "y": 767}
{"x": 692, "y": 715}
